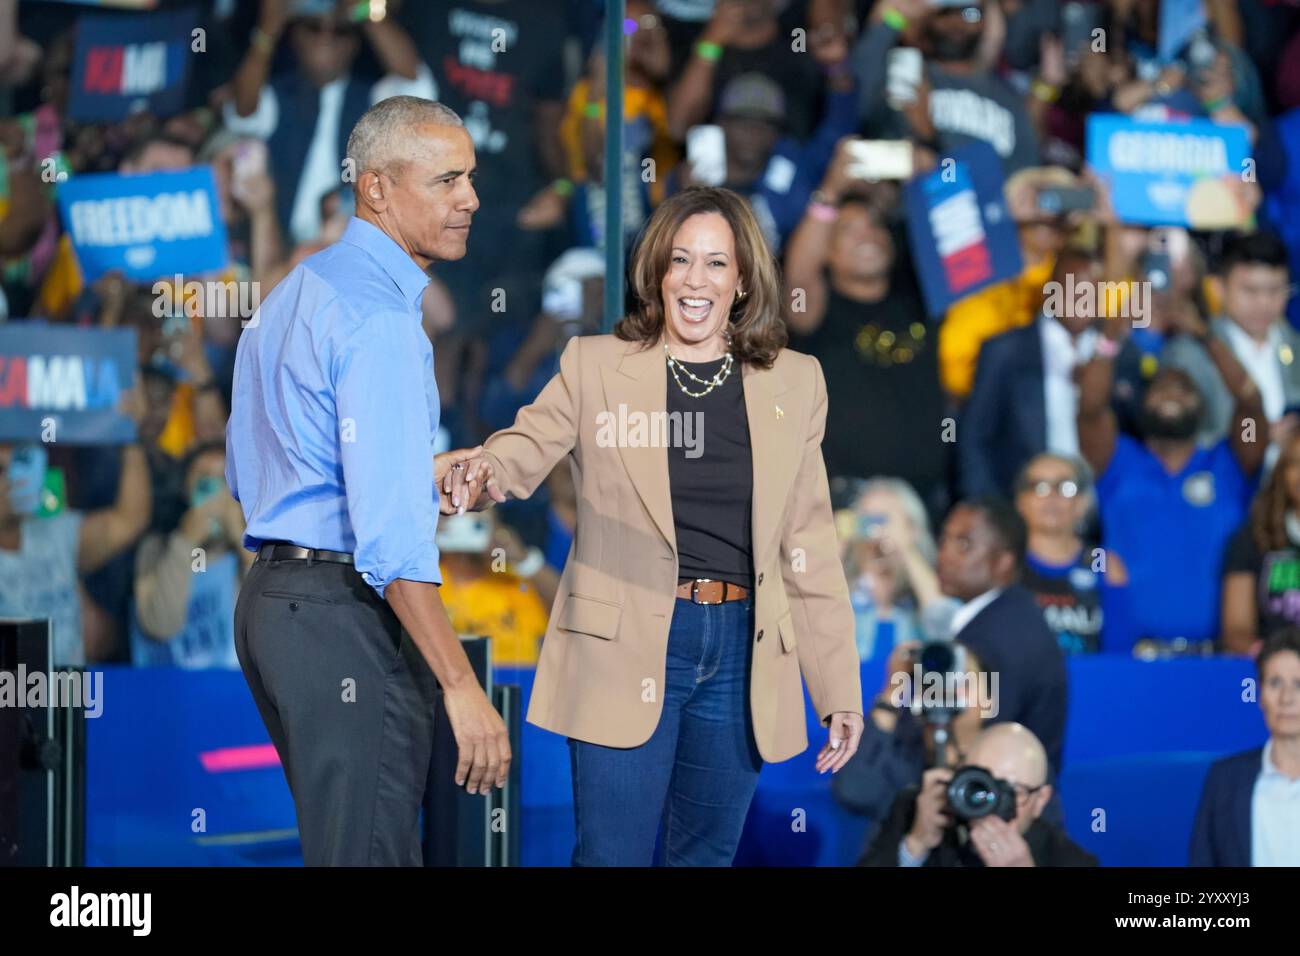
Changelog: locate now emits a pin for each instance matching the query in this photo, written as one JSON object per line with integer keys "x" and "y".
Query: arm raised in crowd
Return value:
{"x": 691, "y": 98}
{"x": 393, "y": 46}
{"x": 255, "y": 68}
{"x": 110, "y": 531}
{"x": 1098, "y": 429}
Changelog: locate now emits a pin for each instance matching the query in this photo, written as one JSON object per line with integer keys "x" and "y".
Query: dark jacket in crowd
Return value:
{"x": 1221, "y": 835}
{"x": 1011, "y": 637}
{"x": 1048, "y": 843}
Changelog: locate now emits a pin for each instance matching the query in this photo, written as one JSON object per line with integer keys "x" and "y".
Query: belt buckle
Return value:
{"x": 695, "y": 587}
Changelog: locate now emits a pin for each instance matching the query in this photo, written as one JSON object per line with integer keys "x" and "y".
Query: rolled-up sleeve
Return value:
{"x": 385, "y": 445}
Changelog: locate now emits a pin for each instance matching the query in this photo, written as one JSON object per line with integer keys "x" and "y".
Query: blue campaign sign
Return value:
{"x": 148, "y": 225}
{"x": 961, "y": 234}
{"x": 63, "y": 383}
{"x": 126, "y": 64}
{"x": 1182, "y": 173}
{"x": 1179, "y": 20}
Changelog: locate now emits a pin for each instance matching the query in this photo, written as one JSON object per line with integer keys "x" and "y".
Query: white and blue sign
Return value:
{"x": 961, "y": 233}
{"x": 1183, "y": 173}
{"x": 64, "y": 383}
{"x": 150, "y": 225}
{"x": 128, "y": 64}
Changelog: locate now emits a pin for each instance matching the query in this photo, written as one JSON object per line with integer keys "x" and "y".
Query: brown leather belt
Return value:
{"x": 709, "y": 591}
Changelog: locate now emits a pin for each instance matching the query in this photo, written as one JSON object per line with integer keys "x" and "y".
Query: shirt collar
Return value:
{"x": 1242, "y": 337}
{"x": 408, "y": 277}
{"x": 1268, "y": 769}
{"x": 971, "y": 609}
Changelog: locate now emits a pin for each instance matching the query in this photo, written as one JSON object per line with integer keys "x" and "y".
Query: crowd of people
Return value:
{"x": 1034, "y": 484}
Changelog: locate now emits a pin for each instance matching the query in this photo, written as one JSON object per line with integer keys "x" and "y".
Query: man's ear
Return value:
{"x": 1005, "y": 565}
{"x": 1041, "y": 799}
{"x": 372, "y": 191}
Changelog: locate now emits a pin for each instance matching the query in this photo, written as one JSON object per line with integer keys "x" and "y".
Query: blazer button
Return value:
{"x": 760, "y": 634}
{"x": 760, "y": 577}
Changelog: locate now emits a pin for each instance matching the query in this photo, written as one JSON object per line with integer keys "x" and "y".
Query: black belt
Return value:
{"x": 279, "y": 551}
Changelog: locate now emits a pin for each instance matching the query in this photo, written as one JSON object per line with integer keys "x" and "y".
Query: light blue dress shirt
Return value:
{"x": 334, "y": 411}
{"x": 1274, "y": 816}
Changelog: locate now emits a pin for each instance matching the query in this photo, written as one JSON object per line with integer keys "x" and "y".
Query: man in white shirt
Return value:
{"x": 1254, "y": 285}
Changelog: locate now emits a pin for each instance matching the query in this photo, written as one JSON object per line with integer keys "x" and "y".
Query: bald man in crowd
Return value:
{"x": 339, "y": 627}
{"x": 923, "y": 831}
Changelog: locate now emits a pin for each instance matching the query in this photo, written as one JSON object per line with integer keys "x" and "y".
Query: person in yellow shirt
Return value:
{"x": 1014, "y": 303}
{"x": 493, "y": 586}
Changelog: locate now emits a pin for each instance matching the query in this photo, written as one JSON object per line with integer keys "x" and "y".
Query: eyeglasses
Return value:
{"x": 1023, "y": 793}
{"x": 1066, "y": 488}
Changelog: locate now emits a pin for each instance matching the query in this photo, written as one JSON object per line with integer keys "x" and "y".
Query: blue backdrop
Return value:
{"x": 175, "y": 776}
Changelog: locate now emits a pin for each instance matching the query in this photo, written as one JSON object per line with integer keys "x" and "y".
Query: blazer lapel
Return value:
{"x": 775, "y": 448}
{"x": 639, "y": 386}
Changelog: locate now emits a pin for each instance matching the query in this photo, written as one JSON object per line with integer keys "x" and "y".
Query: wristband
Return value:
{"x": 563, "y": 186}
{"x": 262, "y": 41}
{"x": 822, "y": 212}
{"x": 594, "y": 111}
{"x": 1045, "y": 91}
{"x": 1213, "y": 106}
{"x": 708, "y": 51}
{"x": 533, "y": 562}
{"x": 892, "y": 18}
{"x": 1106, "y": 347}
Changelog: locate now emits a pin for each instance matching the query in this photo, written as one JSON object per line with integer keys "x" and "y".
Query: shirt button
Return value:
{"x": 760, "y": 577}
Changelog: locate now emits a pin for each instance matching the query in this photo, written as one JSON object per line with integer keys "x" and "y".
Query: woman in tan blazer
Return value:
{"x": 704, "y": 576}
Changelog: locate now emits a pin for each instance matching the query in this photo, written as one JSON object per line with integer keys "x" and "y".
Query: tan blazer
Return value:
{"x": 601, "y": 673}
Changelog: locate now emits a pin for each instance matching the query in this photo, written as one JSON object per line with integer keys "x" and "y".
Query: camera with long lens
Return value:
{"x": 973, "y": 792}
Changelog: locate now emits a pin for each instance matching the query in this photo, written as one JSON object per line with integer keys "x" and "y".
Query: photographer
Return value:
{"x": 926, "y": 828}
{"x": 899, "y": 741}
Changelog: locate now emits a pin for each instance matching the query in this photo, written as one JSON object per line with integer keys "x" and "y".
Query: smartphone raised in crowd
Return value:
{"x": 902, "y": 75}
{"x": 706, "y": 152}
{"x": 1059, "y": 200}
{"x": 877, "y": 159}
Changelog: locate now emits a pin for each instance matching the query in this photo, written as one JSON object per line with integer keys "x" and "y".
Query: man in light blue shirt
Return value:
{"x": 339, "y": 627}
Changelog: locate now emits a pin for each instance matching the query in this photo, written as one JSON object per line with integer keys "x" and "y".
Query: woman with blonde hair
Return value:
{"x": 704, "y": 578}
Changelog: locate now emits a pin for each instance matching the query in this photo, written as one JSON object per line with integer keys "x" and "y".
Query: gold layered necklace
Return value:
{"x": 678, "y": 369}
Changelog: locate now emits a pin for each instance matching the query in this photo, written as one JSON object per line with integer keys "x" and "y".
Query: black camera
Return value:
{"x": 973, "y": 792}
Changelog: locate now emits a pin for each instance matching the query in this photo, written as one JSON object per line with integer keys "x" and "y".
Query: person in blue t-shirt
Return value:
{"x": 1168, "y": 505}
{"x": 1082, "y": 590}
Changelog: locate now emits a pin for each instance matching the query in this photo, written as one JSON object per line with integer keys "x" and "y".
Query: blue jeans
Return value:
{"x": 697, "y": 772}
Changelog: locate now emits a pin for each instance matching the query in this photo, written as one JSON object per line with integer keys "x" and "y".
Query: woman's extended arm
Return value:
{"x": 522, "y": 455}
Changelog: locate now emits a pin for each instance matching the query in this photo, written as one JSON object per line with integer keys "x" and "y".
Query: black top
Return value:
{"x": 886, "y": 410}
{"x": 710, "y": 473}
{"x": 1277, "y": 580}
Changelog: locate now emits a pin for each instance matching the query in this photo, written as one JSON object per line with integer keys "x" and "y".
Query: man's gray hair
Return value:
{"x": 381, "y": 139}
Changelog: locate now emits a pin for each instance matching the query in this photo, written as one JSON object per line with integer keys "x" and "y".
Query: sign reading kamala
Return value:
{"x": 62, "y": 383}
{"x": 147, "y": 225}
{"x": 1185, "y": 173}
{"x": 126, "y": 64}
{"x": 961, "y": 233}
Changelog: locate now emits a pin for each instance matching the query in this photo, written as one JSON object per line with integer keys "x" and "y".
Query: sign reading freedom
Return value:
{"x": 148, "y": 226}
{"x": 62, "y": 383}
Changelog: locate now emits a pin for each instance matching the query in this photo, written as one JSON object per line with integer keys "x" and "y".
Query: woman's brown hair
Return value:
{"x": 1268, "y": 510}
{"x": 757, "y": 330}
